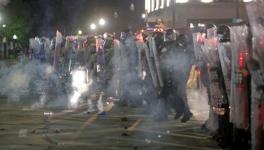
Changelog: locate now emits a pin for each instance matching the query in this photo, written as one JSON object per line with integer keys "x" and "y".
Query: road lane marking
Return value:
{"x": 69, "y": 111}
{"x": 90, "y": 121}
{"x": 134, "y": 125}
{"x": 94, "y": 117}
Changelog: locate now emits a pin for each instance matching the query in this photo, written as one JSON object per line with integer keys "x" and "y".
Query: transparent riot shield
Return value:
{"x": 201, "y": 63}
{"x": 206, "y": 51}
{"x": 198, "y": 40}
{"x": 57, "y": 52}
{"x": 239, "y": 101}
{"x": 217, "y": 90}
{"x": 256, "y": 17}
{"x": 225, "y": 55}
{"x": 70, "y": 54}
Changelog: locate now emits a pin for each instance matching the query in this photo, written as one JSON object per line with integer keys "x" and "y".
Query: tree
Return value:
{"x": 16, "y": 17}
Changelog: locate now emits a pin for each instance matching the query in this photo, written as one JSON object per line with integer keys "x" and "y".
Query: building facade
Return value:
{"x": 182, "y": 14}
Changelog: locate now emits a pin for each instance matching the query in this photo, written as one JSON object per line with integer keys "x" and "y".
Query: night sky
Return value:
{"x": 70, "y": 15}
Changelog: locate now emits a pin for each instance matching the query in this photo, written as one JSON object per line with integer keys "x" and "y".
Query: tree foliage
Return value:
{"x": 16, "y": 17}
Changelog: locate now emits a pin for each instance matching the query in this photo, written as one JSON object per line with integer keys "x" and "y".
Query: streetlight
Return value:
{"x": 191, "y": 25}
{"x": 80, "y": 32}
{"x": 132, "y": 7}
{"x": 15, "y": 37}
{"x": 143, "y": 16}
{"x": 116, "y": 15}
{"x": 93, "y": 26}
{"x": 102, "y": 22}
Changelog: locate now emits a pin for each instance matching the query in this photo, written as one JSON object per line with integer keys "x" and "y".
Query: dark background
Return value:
{"x": 29, "y": 18}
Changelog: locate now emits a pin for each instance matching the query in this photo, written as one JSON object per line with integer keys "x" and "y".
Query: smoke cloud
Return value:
{"x": 32, "y": 82}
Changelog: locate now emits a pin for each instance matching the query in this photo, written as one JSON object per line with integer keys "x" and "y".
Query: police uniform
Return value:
{"x": 176, "y": 61}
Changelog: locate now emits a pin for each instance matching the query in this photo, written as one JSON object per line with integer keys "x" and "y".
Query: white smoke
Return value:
{"x": 32, "y": 81}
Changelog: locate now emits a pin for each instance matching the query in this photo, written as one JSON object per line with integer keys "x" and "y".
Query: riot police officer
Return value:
{"x": 176, "y": 59}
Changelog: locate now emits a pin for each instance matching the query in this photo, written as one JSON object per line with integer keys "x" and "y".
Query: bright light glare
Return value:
{"x": 207, "y": 1}
{"x": 181, "y": 1}
{"x": 168, "y": 3}
{"x": 147, "y": 6}
{"x": 102, "y": 22}
{"x": 78, "y": 78}
{"x": 74, "y": 99}
{"x": 143, "y": 16}
{"x": 201, "y": 25}
{"x": 162, "y": 4}
{"x": 80, "y": 32}
{"x": 157, "y": 5}
{"x": 15, "y": 37}
{"x": 191, "y": 25}
{"x": 79, "y": 86}
{"x": 246, "y": 1}
{"x": 93, "y": 26}
{"x": 4, "y": 25}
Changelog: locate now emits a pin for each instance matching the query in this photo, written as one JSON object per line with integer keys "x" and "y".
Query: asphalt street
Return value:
{"x": 120, "y": 128}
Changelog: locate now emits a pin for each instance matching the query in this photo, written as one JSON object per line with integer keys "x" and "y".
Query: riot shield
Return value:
{"x": 207, "y": 50}
{"x": 71, "y": 58}
{"x": 224, "y": 50}
{"x": 57, "y": 51}
{"x": 202, "y": 62}
{"x": 151, "y": 62}
{"x": 217, "y": 87}
{"x": 154, "y": 51}
{"x": 239, "y": 101}
{"x": 256, "y": 17}
{"x": 198, "y": 39}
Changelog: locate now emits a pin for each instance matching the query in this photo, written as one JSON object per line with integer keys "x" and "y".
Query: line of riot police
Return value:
{"x": 230, "y": 59}
{"x": 89, "y": 54}
{"x": 163, "y": 65}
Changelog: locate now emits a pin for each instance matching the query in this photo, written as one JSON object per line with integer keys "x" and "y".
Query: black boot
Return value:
{"x": 187, "y": 117}
{"x": 178, "y": 116}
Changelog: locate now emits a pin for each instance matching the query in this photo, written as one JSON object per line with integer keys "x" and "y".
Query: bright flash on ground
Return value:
{"x": 78, "y": 78}
{"x": 79, "y": 85}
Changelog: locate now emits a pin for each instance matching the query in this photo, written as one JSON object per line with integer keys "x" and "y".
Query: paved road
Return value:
{"x": 119, "y": 129}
